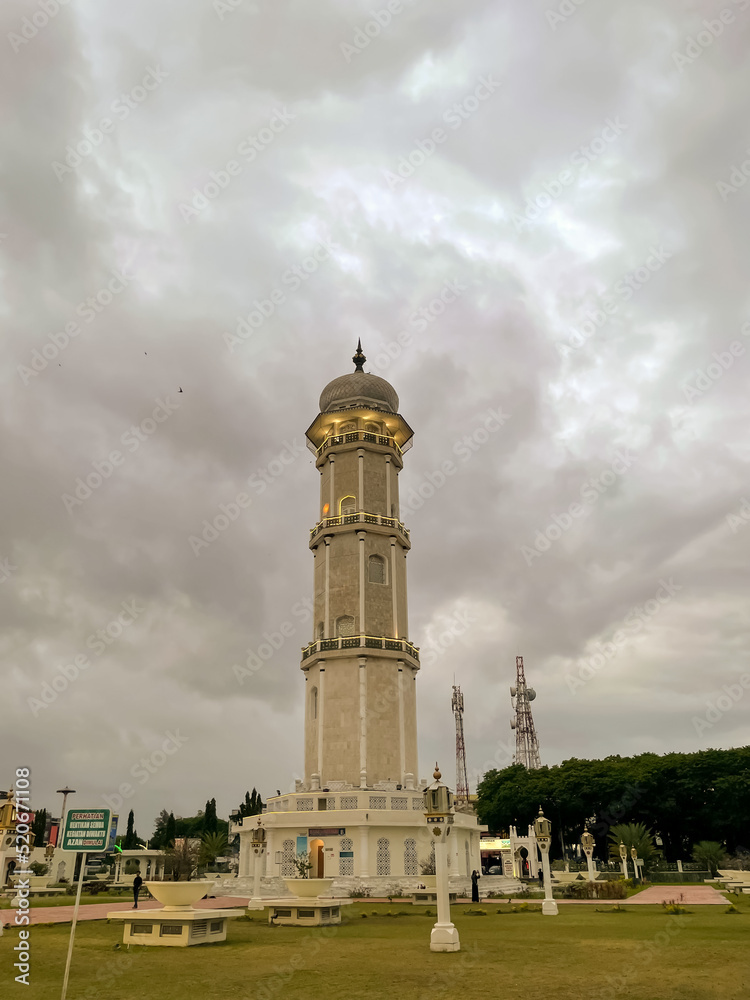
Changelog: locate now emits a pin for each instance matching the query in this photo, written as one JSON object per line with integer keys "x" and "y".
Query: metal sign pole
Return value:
{"x": 73, "y": 926}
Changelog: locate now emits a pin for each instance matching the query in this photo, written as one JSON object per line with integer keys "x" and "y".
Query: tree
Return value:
{"x": 130, "y": 840}
{"x": 711, "y": 854}
{"x": 213, "y": 845}
{"x": 210, "y": 821}
{"x": 182, "y": 859}
{"x": 632, "y": 835}
{"x": 39, "y": 827}
{"x": 303, "y": 864}
{"x": 170, "y": 833}
{"x": 252, "y": 806}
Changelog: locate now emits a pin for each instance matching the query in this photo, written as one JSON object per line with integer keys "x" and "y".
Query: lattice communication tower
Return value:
{"x": 527, "y": 745}
{"x": 462, "y": 777}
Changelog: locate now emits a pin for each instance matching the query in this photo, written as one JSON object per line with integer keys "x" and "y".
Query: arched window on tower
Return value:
{"x": 373, "y": 427}
{"x": 319, "y": 631}
{"x": 345, "y": 625}
{"x": 348, "y": 427}
{"x": 347, "y": 505}
{"x": 377, "y": 572}
{"x": 314, "y": 703}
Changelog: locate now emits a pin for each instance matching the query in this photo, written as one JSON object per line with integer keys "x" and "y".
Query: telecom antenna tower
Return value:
{"x": 527, "y": 745}
{"x": 462, "y": 778}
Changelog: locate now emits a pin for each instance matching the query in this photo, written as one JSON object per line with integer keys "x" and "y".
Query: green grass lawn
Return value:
{"x": 640, "y": 954}
{"x": 63, "y": 899}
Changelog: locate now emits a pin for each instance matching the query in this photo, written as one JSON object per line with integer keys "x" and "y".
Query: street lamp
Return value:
{"x": 65, "y": 792}
{"x": 543, "y": 832}
{"x": 624, "y": 859}
{"x": 259, "y": 850}
{"x": 588, "y": 843}
{"x": 634, "y": 856}
{"x": 438, "y": 806}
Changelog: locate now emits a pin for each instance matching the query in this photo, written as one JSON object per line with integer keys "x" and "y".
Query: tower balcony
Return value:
{"x": 353, "y": 437}
{"x": 363, "y": 517}
{"x": 349, "y": 642}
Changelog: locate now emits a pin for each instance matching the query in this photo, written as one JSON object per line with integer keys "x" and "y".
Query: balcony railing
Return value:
{"x": 351, "y": 436}
{"x": 361, "y": 642}
{"x": 359, "y": 517}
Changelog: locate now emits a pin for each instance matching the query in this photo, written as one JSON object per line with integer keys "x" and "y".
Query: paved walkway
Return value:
{"x": 690, "y": 895}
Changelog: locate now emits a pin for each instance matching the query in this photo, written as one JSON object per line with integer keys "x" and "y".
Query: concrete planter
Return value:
{"x": 178, "y": 895}
{"x": 308, "y": 888}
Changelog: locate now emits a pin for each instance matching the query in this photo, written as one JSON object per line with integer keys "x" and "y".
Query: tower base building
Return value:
{"x": 359, "y": 810}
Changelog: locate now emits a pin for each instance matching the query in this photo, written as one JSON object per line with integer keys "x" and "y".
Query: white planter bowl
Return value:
{"x": 178, "y": 895}
{"x": 308, "y": 888}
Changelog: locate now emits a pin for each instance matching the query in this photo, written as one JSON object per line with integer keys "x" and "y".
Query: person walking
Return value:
{"x": 137, "y": 883}
{"x": 475, "y": 886}
{"x": 541, "y": 877}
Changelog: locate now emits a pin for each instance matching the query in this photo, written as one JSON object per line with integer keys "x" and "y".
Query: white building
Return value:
{"x": 359, "y": 809}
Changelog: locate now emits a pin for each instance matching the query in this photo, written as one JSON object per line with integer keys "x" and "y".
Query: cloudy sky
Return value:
{"x": 222, "y": 198}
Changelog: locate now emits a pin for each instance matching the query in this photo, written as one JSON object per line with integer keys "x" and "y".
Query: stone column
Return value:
{"x": 327, "y": 626}
{"x": 361, "y": 464}
{"x": 361, "y": 535}
{"x": 363, "y": 719}
{"x": 394, "y": 587}
{"x": 388, "y": 485}
{"x": 401, "y": 724}
{"x": 364, "y": 852}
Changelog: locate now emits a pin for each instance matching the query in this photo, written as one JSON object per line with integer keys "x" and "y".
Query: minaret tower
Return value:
{"x": 360, "y": 668}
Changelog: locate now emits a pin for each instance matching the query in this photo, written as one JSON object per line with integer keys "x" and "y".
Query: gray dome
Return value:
{"x": 359, "y": 389}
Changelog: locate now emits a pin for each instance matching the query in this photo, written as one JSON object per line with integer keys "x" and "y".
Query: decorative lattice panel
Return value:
{"x": 331, "y": 802}
{"x": 348, "y": 801}
{"x": 410, "y": 857}
{"x": 287, "y": 860}
{"x": 377, "y": 802}
{"x": 417, "y": 804}
{"x": 346, "y": 865}
{"x": 383, "y": 856}
{"x": 305, "y": 805}
{"x": 399, "y": 803}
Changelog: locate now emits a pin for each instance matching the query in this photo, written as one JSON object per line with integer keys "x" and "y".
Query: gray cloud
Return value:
{"x": 323, "y": 177}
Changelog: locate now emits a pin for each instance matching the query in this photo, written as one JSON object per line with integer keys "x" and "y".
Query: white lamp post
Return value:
{"x": 634, "y": 856}
{"x": 624, "y": 859}
{"x": 588, "y": 843}
{"x": 543, "y": 831}
{"x": 259, "y": 850}
{"x": 438, "y": 805}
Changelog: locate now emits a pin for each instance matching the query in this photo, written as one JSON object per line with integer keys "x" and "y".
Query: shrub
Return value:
{"x": 475, "y": 913}
{"x": 611, "y": 889}
{"x": 673, "y": 907}
{"x": 38, "y": 868}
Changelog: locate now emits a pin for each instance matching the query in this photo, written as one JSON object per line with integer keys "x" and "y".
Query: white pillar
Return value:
{"x": 590, "y": 863}
{"x": 444, "y": 936}
{"x": 394, "y": 588}
{"x": 401, "y": 723}
{"x": 388, "y": 486}
{"x": 364, "y": 852}
{"x": 259, "y": 858}
{"x": 361, "y": 535}
{"x": 549, "y": 906}
{"x": 361, "y": 463}
{"x": 332, "y": 501}
{"x": 327, "y": 628}
{"x": 321, "y": 719}
{"x": 363, "y": 717}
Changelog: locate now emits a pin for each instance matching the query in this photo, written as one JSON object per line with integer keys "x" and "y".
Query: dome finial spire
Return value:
{"x": 359, "y": 358}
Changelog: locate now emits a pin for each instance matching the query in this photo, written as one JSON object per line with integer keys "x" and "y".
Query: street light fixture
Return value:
{"x": 624, "y": 859}
{"x": 543, "y": 832}
{"x": 65, "y": 792}
{"x": 259, "y": 850}
{"x": 588, "y": 843}
{"x": 438, "y": 807}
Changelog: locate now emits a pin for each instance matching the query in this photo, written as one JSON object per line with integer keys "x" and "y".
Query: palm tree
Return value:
{"x": 182, "y": 859}
{"x": 632, "y": 835}
{"x": 213, "y": 845}
{"x": 709, "y": 853}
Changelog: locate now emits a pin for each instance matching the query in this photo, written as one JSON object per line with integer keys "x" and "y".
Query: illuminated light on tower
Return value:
{"x": 462, "y": 778}
{"x": 527, "y": 745}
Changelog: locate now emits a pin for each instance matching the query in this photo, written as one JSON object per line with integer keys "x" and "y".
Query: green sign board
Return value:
{"x": 86, "y": 830}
